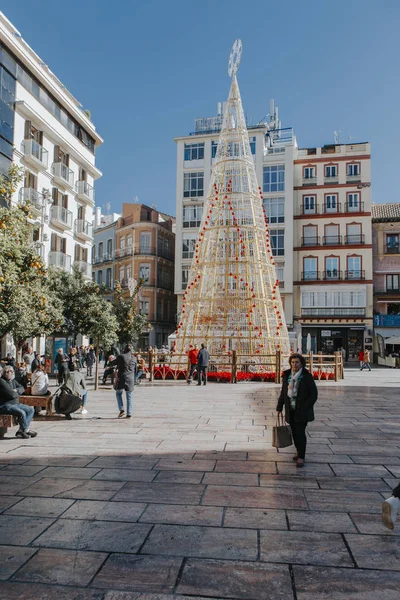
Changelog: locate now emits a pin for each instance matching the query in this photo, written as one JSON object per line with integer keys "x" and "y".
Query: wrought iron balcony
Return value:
{"x": 392, "y": 250}
{"x": 34, "y": 198}
{"x": 352, "y": 207}
{"x": 311, "y": 241}
{"x": 61, "y": 217}
{"x": 101, "y": 258}
{"x": 35, "y": 154}
{"x": 122, "y": 252}
{"x": 60, "y": 260}
{"x": 310, "y": 210}
{"x": 146, "y": 250}
{"x": 62, "y": 174}
{"x": 83, "y": 229}
{"x": 85, "y": 192}
{"x": 333, "y": 312}
{"x": 310, "y": 276}
{"x": 332, "y": 240}
{"x": 332, "y": 274}
{"x": 84, "y": 267}
{"x": 354, "y": 274}
{"x": 358, "y": 238}
{"x": 331, "y": 210}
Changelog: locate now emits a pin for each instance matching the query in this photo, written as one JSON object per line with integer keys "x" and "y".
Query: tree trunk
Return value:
{"x": 96, "y": 370}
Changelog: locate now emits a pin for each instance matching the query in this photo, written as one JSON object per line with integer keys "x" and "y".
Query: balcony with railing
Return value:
{"x": 62, "y": 174}
{"x": 392, "y": 249}
{"x": 84, "y": 267}
{"x": 354, "y": 274}
{"x": 331, "y": 179}
{"x": 386, "y": 291}
{"x": 146, "y": 250}
{"x": 354, "y": 207}
{"x": 123, "y": 252}
{"x": 84, "y": 191}
{"x": 61, "y": 217}
{"x": 83, "y": 229}
{"x": 163, "y": 253}
{"x": 357, "y": 238}
{"x": 311, "y": 241}
{"x": 332, "y": 240}
{"x": 60, "y": 260}
{"x": 310, "y": 276}
{"x": 33, "y": 198}
{"x": 309, "y": 210}
{"x": 329, "y": 209}
{"x": 333, "y": 312}
{"x": 35, "y": 154}
{"x": 309, "y": 181}
{"x": 332, "y": 275}
{"x": 353, "y": 178}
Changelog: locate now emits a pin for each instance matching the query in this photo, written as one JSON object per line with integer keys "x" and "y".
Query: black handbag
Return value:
{"x": 281, "y": 434}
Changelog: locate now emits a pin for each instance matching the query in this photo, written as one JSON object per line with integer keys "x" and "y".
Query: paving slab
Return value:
{"x": 255, "y": 518}
{"x": 182, "y": 515}
{"x": 170, "y": 493}
{"x": 253, "y": 497}
{"x": 375, "y": 552}
{"x": 21, "y": 531}
{"x": 97, "y": 510}
{"x": 12, "y": 558}
{"x": 40, "y": 507}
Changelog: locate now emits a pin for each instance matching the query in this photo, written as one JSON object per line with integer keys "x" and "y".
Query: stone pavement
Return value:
{"x": 188, "y": 499}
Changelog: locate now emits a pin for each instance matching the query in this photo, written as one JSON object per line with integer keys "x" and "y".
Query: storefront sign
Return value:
{"x": 325, "y": 333}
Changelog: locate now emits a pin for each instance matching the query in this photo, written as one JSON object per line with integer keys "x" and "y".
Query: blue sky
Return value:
{"x": 146, "y": 69}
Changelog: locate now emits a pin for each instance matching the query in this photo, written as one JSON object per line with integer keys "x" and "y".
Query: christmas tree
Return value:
{"x": 232, "y": 301}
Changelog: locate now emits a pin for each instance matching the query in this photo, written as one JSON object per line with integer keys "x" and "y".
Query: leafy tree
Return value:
{"x": 27, "y": 305}
{"x": 130, "y": 323}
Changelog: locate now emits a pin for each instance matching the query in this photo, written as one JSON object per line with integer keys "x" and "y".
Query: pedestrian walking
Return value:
{"x": 203, "y": 359}
{"x": 390, "y": 508}
{"x": 366, "y": 361}
{"x": 74, "y": 359}
{"x": 192, "y": 354}
{"x": 28, "y": 359}
{"x": 298, "y": 395}
{"x": 61, "y": 361}
{"x": 361, "y": 358}
{"x": 126, "y": 364}
{"x": 90, "y": 361}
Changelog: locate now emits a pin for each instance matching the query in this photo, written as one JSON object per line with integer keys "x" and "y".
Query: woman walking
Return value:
{"x": 127, "y": 367}
{"x": 298, "y": 395}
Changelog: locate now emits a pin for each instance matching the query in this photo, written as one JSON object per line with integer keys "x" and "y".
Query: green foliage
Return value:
{"x": 27, "y": 305}
{"x": 130, "y": 323}
{"x": 9, "y": 183}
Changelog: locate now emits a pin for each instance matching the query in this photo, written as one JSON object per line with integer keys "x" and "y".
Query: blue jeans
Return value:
{"x": 129, "y": 401}
{"x": 23, "y": 413}
{"x": 138, "y": 376}
{"x": 84, "y": 397}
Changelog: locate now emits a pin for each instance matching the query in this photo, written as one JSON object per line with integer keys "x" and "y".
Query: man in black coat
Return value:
{"x": 127, "y": 367}
{"x": 203, "y": 358}
{"x": 299, "y": 394}
{"x": 10, "y": 391}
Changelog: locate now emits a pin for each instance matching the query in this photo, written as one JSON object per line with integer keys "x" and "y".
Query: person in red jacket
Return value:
{"x": 361, "y": 358}
{"x": 192, "y": 354}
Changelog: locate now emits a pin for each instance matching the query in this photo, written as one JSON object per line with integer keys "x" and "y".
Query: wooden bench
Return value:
{"x": 40, "y": 401}
{"x": 6, "y": 421}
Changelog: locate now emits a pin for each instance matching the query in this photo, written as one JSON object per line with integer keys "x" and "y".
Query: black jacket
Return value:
{"x": 203, "y": 358}
{"x": 10, "y": 391}
{"x": 307, "y": 395}
{"x": 127, "y": 365}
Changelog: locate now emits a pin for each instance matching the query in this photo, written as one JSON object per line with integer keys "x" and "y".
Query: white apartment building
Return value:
{"x": 273, "y": 152}
{"x": 44, "y": 130}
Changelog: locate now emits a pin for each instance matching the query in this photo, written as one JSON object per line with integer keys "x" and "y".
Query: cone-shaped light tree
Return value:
{"x": 232, "y": 300}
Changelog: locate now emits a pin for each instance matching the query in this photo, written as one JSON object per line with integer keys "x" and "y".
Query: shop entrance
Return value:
{"x": 354, "y": 344}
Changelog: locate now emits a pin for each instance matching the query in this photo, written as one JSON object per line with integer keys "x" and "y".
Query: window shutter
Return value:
{"x": 65, "y": 200}
{"x": 83, "y": 175}
{"x": 54, "y": 195}
{"x": 40, "y": 137}
{"x": 85, "y": 255}
{"x": 53, "y": 242}
{"x": 63, "y": 245}
{"x": 56, "y": 154}
{"x": 28, "y": 130}
{"x": 66, "y": 159}
{"x": 77, "y": 248}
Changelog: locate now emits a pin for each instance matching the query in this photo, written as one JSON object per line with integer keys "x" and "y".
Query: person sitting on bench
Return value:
{"x": 40, "y": 384}
{"x": 109, "y": 371}
{"x": 10, "y": 391}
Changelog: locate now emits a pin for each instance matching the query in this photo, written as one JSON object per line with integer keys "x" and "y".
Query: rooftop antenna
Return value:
{"x": 108, "y": 208}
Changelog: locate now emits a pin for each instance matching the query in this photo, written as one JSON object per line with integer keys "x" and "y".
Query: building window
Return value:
{"x": 275, "y": 209}
{"x": 274, "y": 179}
{"x": 280, "y": 272}
{"x": 145, "y": 239}
{"x": 332, "y": 236}
{"x": 185, "y": 278}
{"x": 334, "y": 299}
{"x": 353, "y": 169}
{"x": 193, "y": 185}
{"x": 309, "y": 173}
{"x": 392, "y": 283}
{"x": 354, "y": 267}
{"x": 144, "y": 273}
{"x": 354, "y": 234}
{"x": 310, "y": 235}
{"x": 353, "y": 202}
{"x": 108, "y": 279}
{"x": 128, "y": 241}
{"x": 109, "y": 247}
{"x": 100, "y": 277}
{"x": 214, "y": 146}
{"x": 128, "y": 274}
{"x": 309, "y": 205}
{"x": 188, "y": 246}
{"x": 122, "y": 243}
{"x": 392, "y": 243}
{"x": 277, "y": 237}
{"x": 331, "y": 203}
{"x": 121, "y": 274}
{"x": 331, "y": 171}
{"x": 310, "y": 268}
{"x": 192, "y": 215}
{"x": 100, "y": 255}
{"x": 253, "y": 144}
{"x": 144, "y": 306}
{"x": 194, "y": 151}
{"x": 332, "y": 268}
